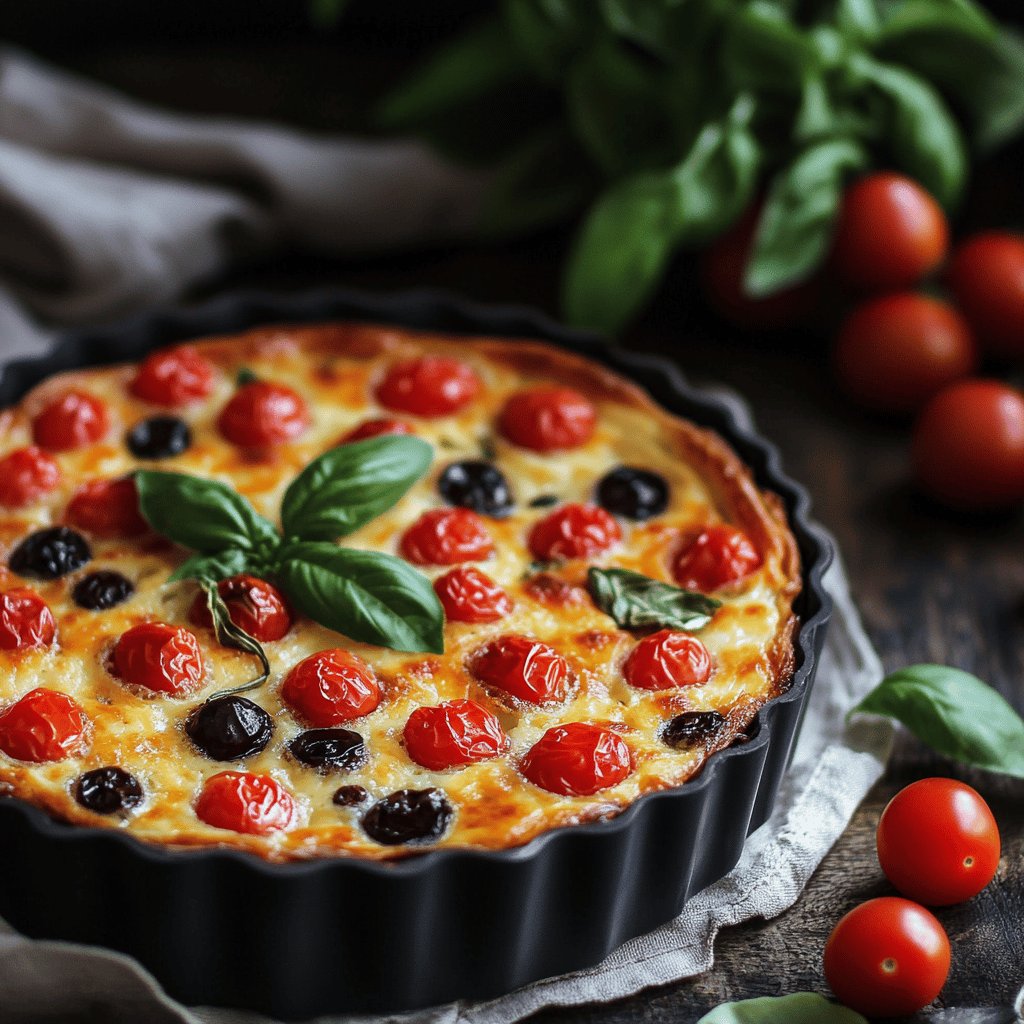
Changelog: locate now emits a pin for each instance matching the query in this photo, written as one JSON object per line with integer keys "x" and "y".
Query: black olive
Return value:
{"x": 108, "y": 790}
{"x": 477, "y": 485}
{"x": 102, "y": 590}
{"x": 349, "y": 796}
{"x": 633, "y": 493}
{"x": 407, "y": 816}
{"x": 229, "y": 728}
{"x": 159, "y": 437}
{"x": 692, "y": 728}
{"x": 544, "y": 501}
{"x": 51, "y": 553}
{"x": 329, "y": 749}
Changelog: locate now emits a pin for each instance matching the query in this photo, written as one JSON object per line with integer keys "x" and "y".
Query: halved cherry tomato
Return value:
{"x": 447, "y": 536}
{"x": 254, "y": 605}
{"x": 25, "y": 620}
{"x": 107, "y": 508}
{"x": 456, "y": 732}
{"x": 524, "y": 668}
{"x": 72, "y": 420}
{"x": 666, "y": 659}
{"x": 331, "y": 687}
{"x": 548, "y": 419}
{"x": 261, "y": 414}
{"x": 173, "y": 377}
{"x": 45, "y": 725}
{"x": 716, "y": 556}
{"x": 375, "y": 428}
{"x": 160, "y": 657}
{"x": 577, "y": 759}
{"x": 887, "y": 958}
{"x": 573, "y": 531}
{"x": 25, "y": 475}
{"x": 243, "y": 802}
{"x": 429, "y": 386}
{"x": 468, "y": 595}
{"x": 938, "y": 842}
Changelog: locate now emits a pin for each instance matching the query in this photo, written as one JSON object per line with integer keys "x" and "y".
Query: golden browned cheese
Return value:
{"x": 335, "y": 368}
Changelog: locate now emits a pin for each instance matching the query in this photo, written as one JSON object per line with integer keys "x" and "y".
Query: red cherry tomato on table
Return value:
{"x": 429, "y": 386}
{"x": 666, "y": 659}
{"x": 242, "y": 802}
{"x": 715, "y": 557}
{"x": 468, "y": 595}
{"x": 331, "y": 687}
{"x": 454, "y": 733}
{"x": 254, "y": 605}
{"x": 107, "y": 508}
{"x": 45, "y": 725}
{"x": 938, "y": 842}
{"x": 375, "y": 428}
{"x": 261, "y": 414}
{"x": 25, "y": 475}
{"x": 160, "y": 657}
{"x": 573, "y": 531}
{"x": 173, "y": 377}
{"x": 446, "y": 536}
{"x": 525, "y": 668}
{"x": 893, "y": 353}
{"x": 891, "y": 233}
{"x": 25, "y": 620}
{"x": 887, "y": 958}
{"x": 73, "y": 420}
{"x": 577, "y": 759}
{"x": 968, "y": 446}
{"x": 548, "y": 419}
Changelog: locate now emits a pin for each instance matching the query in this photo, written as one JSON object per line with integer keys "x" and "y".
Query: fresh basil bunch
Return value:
{"x": 663, "y": 120}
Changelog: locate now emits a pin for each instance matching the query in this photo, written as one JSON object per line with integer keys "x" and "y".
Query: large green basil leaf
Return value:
{"x": 636, "y": 601}
{"x": 799, "y": 1008}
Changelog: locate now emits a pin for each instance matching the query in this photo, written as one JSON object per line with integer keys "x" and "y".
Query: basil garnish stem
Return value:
{"x": 234, "y": 636}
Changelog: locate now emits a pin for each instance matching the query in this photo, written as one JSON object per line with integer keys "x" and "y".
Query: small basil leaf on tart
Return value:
{"x": 636, "y": 601}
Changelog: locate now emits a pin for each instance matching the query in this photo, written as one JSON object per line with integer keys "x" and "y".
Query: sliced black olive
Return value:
{"x": 476, "y": 485}
{"x": 329, "y": 749}
{"x": 407, "y": 816}
{"x": 544, "y": 501}
{"x": 692, "y": 728}
{"x": 108, "y": 790}
{"x": 633, "y": 493}
{"x": 229, "y": 728}
{"x": 102, "y": 590}
{"x": 349, "y": 796}
{"x": 51, "y": 553}
{"x": 159, "y": 437}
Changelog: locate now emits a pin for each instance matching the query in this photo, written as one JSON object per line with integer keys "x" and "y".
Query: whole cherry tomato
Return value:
{"x": 938, "y": 842}
{"x": 525, "y": 668}
{"x": 72, "y": 420}
{"x": 446, "y": 536}
{"x": 887, "y": 958}
{"x": 548, "y": 419}
{"x": 107, "y": 508}
{"x": 25, "y": 620}
{"x": 25, "y": 475}
{"x": 331, "y": 687}
{"x": 159, "y": 657}
{"x": 573, "y": 531}
{"x": 254, "y": 605}
{"x": 894, "y": 352}
{"x": 468, "y": 595}
{"x": 715, "y": 557}
{"x": 375, "y": 428}
{"x": 454, "y": 733}
{"x": 242, "y": 802}
{"x": 891, "y": 233}
{"x": 577, "y": 759}
{"x": 666, "y": 659}
{"x": 429, "y": 386}
{"x": 45, "y": 725}
{"x": 968, "y": 446}
{"x": 260, "y": 414}
{"x": 173, "y": 377}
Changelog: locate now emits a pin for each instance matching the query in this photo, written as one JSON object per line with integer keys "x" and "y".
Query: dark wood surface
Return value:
{"x": 931, "y": 588}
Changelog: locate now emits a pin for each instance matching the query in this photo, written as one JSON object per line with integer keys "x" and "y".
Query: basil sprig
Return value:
{"x": 369, "y": 596}
{"x": 798, "y": 1008}
{"x": 636, "y": 601}
{"x": 234, "y": 636}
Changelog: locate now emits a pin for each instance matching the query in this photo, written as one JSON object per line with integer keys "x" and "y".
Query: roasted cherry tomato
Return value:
{"x": 938, "y": 842}
{"x": 261, "y": 414}
{"x": 331, "y": 687}
{"x": 887, "y": 958}
{"x": 25, "y": 620}
{"x": 968, "y": 447}
{"x": 429, "y": 386}
{"x": 573, "y": 531}
{"x": 173, "y": 377}
{"x": 715, "y": 557}
{"x": 577, "y": 759}
{"x": 243, "y": 802}
{"x": 375, "y": 428}
{"x": 25, "y": 475}
{"x": 524, "y": 668}
{"x": 107, "y": 508}
{"x": 891, "y": 233}
{"x": 666, "y": 659}
{"x": 468, "y": 595}
{"x": 73, "y": 420}
{"x": 446, "y": 536}
{"x": 456, "y": 732}
{"x": 548, "y": 419}
{"x": 45, "y": 725}
{"x": 255, "y": 606}
{"x": 159, "y": 657}
{"x": 894, "y": 352}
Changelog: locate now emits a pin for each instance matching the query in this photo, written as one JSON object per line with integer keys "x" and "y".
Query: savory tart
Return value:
{"x": 355, "y": 590}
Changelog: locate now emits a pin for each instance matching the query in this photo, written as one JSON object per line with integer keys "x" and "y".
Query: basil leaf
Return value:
{"x": 859, "y": 20}
{"x": 955, "y": 713}
{"x": 799, "y": 1008}
{"x": 369, "y": 596}
{"x": 203, "y": 515}
{"x": 635, "y": 601}
{"x": 233, "y": 636}
{"x": 547, "y": 33}
{"x": 348, "y": 486}
{"x": 763, "y": 49}
{"x": 212, "y": 567}
{"x": 639, "y": 21}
